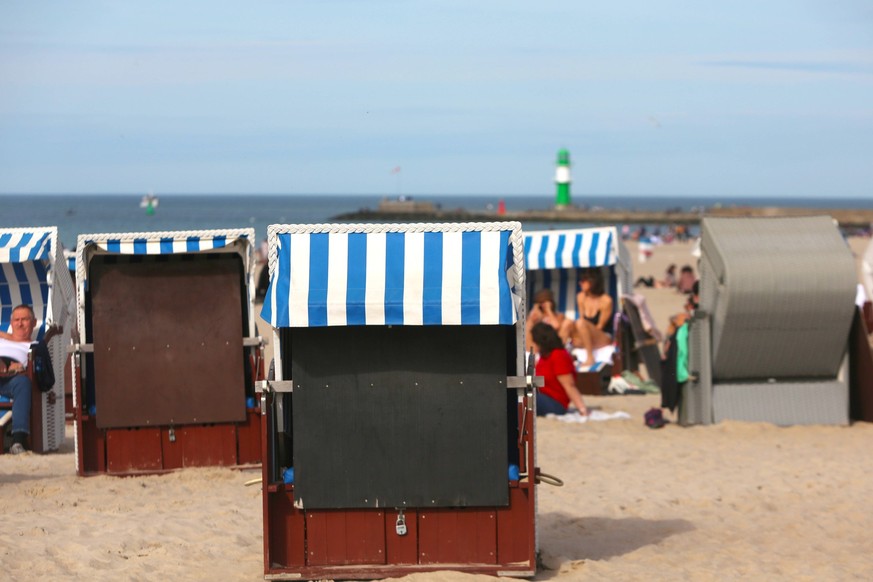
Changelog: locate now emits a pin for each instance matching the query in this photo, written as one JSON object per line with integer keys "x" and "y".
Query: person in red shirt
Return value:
{"x": 556, "y": 367}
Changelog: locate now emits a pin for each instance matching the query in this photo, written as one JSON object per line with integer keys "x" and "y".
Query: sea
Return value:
{"x": 76, "y": 214}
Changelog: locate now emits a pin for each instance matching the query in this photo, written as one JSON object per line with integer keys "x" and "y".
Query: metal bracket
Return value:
{"x": 254, "y": 342}
{"x": 274, "y": 386}
{"x": 516, "y": 382}
{"x": 82, "y": 348}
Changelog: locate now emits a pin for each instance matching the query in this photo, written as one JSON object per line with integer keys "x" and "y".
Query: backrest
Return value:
{"x": 780, "y": 292}
{"x": 556, "y": 260}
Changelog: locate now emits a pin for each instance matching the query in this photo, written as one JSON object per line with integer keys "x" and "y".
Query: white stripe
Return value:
{"x": 451, "y": 288}
{"x": 489, "y": 279}
{"x": 180, "y": 246}
{"x": 534, "y": 254}
{"x": 153, "y": 247}
{"x": 337, "y": 277}
{"x": 207, "y": 243}
{"x": 298, "y": 296}
{"x": 571, "y": 287}
{"x": 126, "y": 247}
{"x": 375, "y": 293}
{"x": 413, "y": 278}
{"x": 567, "y": 254}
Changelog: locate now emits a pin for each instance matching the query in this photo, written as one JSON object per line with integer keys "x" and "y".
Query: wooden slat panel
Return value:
{"x": 515, "y": 529}
{"x": 285, "y": 527}
{"x": 345, "y": 537}
{"x": 133, "y": 450}
{"x": 461, "y": 536}
{"x": 167, "y": 341}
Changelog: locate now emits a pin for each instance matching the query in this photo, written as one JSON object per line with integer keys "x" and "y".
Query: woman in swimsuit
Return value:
{"x": 593, "y": 329}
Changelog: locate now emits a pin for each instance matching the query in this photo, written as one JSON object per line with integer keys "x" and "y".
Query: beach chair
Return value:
{"x": 33, "y": 272}
{"x": 556, "y": 259}
{"x": 400, "y": 423}
{"x": 167, "y": 353}
{"x": 769, "y": 340}
{"x": 642, "y": 337}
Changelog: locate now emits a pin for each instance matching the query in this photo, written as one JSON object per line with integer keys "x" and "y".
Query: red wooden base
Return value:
{"x": 134, "y": 451}
{"x": 364, "y": 543}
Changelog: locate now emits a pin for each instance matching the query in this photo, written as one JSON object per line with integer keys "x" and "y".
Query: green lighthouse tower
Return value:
{"x": 562, "y": 179}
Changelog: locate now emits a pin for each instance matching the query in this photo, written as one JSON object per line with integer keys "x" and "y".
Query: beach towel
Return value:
{"x": 595, "y": 415}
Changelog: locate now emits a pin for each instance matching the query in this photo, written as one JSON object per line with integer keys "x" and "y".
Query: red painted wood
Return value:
{"x": 248, "y": 435}
{"x": 207, "y": 446}
{"x": 345, "y": 537}
{"x": 515, "y": 532}
{"x": 92, "y": 447}
{"x": 458, "y": 536}
{"x": 285, "y": 530}
{"x": 401, "y": 549}
{"x": 133, "y": 450}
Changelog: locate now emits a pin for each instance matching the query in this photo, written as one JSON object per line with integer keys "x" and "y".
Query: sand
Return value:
{"x": 734, "y": 501}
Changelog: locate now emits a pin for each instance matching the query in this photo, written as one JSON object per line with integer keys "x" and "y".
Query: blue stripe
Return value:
{"x": 577, "y": 248}
{"x": 471, "y": 264}
{"x": 559, "y": 261}
{"x": 606, "y": 260}
{"x": 42, "y": 275}
{"x": 506, "y": 259}
{"x": 192, "y": 244}
{"x": 592, "y": 252}
{"x": 219, "y": 241}
{"x": 395, "y": 251}
{"x": 356, "y": 286}
{"x": 23, "y": 284}
{"x": 528, "y": 241}
{"x": 113, "y": 245}
{"x": 166, "y": 246}
{"x": 432, "y": 294}
{"x": 5, "y": 300}
{"x": 541, "y": 259}
{"x": 140, "y": 246}
{"x": 319, "y": 251}
{"x": 282, "y": 281}
{"x": 71, "y": 264}
{"x": 5, "y": 238}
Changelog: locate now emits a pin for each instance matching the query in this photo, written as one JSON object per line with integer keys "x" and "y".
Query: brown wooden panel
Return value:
{"x": 284, "y": 525}
{"x": 345, "y": 537}
{"x": 167, "y": 340}
{"x": 515, "y": 529}
{"x": 133, "y": 450}
{"x": 860, "y": 371}
{"x": 459, "y": 536}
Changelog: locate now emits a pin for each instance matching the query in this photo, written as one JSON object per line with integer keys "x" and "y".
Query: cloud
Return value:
{"x": 825, "y": 67}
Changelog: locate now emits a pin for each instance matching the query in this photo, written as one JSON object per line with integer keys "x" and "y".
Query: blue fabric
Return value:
{"x": 18, "y": 388}
{"x": 548, "y": 405}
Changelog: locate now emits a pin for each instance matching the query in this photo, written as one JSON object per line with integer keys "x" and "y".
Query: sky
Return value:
{"x": 671, "y": 97}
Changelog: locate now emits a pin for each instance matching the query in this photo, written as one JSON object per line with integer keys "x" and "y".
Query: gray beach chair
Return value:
{"x": 769, "y": 341}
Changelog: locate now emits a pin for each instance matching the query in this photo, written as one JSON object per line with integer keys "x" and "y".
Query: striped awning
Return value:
{"x": 565, "y": 249}
{"x": 25, "y": 262}
{"x": 162, "y": 243}
{"x": 393, "y": 274}
{"x": 159, "y": 243}
{"x": 23, "y": 245}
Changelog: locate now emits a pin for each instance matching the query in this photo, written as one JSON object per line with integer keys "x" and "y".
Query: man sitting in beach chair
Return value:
{"x": 15, "y": 382}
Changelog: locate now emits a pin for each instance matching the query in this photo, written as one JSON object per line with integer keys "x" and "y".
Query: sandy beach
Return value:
{"x": 734, "y": 501}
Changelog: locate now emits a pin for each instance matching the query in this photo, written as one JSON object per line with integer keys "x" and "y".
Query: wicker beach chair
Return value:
{"x": 556, "y": 259}
{"x": 33, "y": 272}
{"x": 400, "y": 424}
{"x": 769, "y": 340}
{"x": 167, "y": 353}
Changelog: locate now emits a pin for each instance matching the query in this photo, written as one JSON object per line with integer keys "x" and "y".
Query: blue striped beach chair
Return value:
{"x": 167, "y": 353}
{"x": 33, "y": 272}
{"x": 556, "y": 259}
{"x": 400, "y": 423}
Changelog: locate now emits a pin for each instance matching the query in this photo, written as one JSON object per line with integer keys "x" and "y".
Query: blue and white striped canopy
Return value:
{"x": 25, "y": 260}
{"x": 23, "y": 245}
{"x": 162, "y": 243}
{"x": 565, "y": 249}
{"x": 394, "y": 274}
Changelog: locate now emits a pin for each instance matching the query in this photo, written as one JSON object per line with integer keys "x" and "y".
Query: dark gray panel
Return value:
{"x": 400, "y": 416}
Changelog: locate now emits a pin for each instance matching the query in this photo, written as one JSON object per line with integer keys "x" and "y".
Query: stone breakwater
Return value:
{"x": 847, "y": 218}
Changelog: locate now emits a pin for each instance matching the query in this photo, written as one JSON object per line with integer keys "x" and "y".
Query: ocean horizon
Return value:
{"x": 76, "y": 214}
